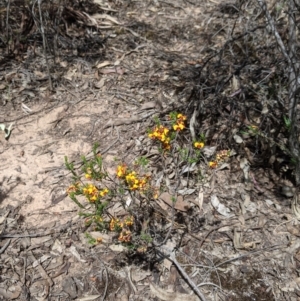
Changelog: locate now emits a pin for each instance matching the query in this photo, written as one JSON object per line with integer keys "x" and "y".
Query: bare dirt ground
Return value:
{"x": 145, "y": 63}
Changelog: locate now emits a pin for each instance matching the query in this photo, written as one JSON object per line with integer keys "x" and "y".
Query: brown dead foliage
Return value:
{"x": 65, "y": 23}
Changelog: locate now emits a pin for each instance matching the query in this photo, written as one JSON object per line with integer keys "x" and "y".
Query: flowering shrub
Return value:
{"x": 92, "y": 193}
{"x": 94, "y": 189}
{"x": 178, "y": 121}
{"x": 161, "y": 134}
{"x": 164, "y": 135}
{"x": 131, "y": 179}
{"x": 98, "y": 189}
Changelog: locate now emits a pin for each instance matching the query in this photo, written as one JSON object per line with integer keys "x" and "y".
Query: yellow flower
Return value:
{"x": 155, "y": 193}
{"x": 163, "y": 138}
{"x": 91, "y": 192}
{"x": 178, "y": 126}
{"x": 165, "y": 130}
{"x": 213, "y": 164}
{"x": 159, "y": 132}
{"x": 121, "y": 171}
{"x": 198, "y": 144}
{"x": 180, "y": 122}
{"x": 151, "y": 135}
{"x": 88, "y": 176}
{"x": 98, "y": 219}
{"x": 125, "y": 236}
{"x": 88, "y": 173}
{"x": 143, "y": 183}
{"x": 130, "y": 177}
{"x": 93, "y": 198}
{"x": 181, "y": 117}
{"x": 114, "y": 224}
{"x": 128, "y": 221}
{"x": 88, "y": 189}
{"x": 73, "y": 188}
{"x": 103, "y": 192}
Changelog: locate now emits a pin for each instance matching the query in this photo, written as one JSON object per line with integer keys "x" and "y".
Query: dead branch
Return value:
{"x": 7, "y": 18}
{"x": 44, "y": 45}
{"x": 293, "y": 72}
{"x": 170, "y": 254}
{"x": 271, "y": 23}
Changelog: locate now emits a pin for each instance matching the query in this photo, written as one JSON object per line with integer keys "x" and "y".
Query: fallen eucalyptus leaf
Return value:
{"x": 186, "y": 191}
{"x": 26, "y": 109}
{"x": 171, "y": 175}
{"x": 220, "y": 207}
{"x": 40, "y": 260}
{"x": 209, "y": 151}
{"x": 238, "y": 139}
{"x": 76, "y": 254}
{"x": 265, "y": 109}
{"x": 103, "y": 64}
{"x": 223, "y": 166}
{"x": 171, "y": 245}
{"x": 148, "y": 105}
{"x": 269, "y": 202}
{"x": 295, "y": 206}
{"x": 179, "y": 203}
{"x": 245, "y": 166}
{"x": 188, "y": 168}
{"x": 105, "y": 238}
{"x": 106, "y": 17}
{"x": 117, "y": 248}
{"x": 237, "y": 238}
{"x": 293, "y": 229}
{"x": 128, "y": 200}
{"x": 248, "y": 205}
{"x": 6, "y": 130}
{"x": 200, "y": 198}
{"x": 100, "y": 83}
{"x": 287, "y": 191}
{"x": 139, "y": 275}
{"x": 159, "y": 178}
{"x": 232, "y": 153}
